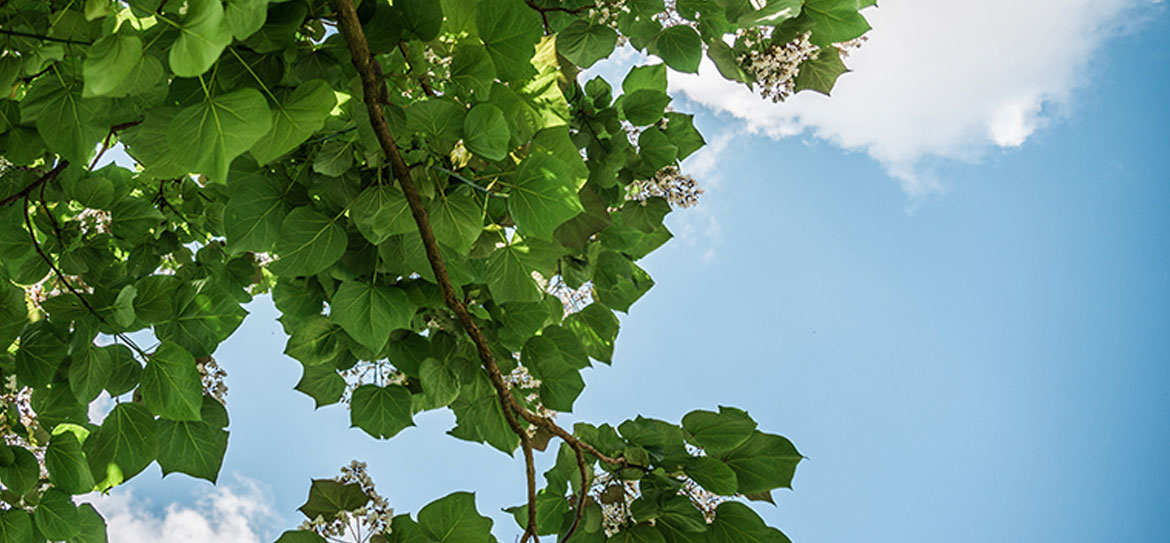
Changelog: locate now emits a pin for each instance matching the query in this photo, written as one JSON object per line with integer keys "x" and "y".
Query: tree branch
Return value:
{"x": 372, "y": 88}
{"x": 422, "y": 79}
{"x": 52, "y": 174}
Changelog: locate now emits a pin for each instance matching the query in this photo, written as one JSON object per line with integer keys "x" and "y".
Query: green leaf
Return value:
{"x": 508, "y": 278}
{"x": 382, "y": 211}
{"x": 41, "y": 353}
{"x": 125, "y": 371}
{"x": 91, "y": 525}
{"x": 204, "y": 314}
{"x": 561, "y": 383}
{"x": 195, "y": 448}
{"x": 381, "y": 411}
{"x": 125, "y": 443}
{"x": 23, "y": 473}
{"x": 254, "y": 214}
{"x": 544, "y": 196}
{"x": 719, "y": 432}
{"x": 644, "y": 107}
{"x": 295, "y": 116}
{"x": 597, "y": 328}
{"x": 68, "y": 123}
{"x": 510, "y": 31}
{"x": 171, "y": 386}
{"x": 764, "y": 462}
{"x": 472, "y": 69}
{"x": 322, "y": 383}
{"x": 454, "y": 519}
{"x": 148, "y": 144}
{"x": 334, "y": 158}
{"x": 109, "y": 61}
{"x": 724, "y": 59}
{"x": 439, "y": 121}
{"x": 457, "y": 219}
{"x": 155, "y": 301}
{"x": 656, "y": 149}
{"x": 618, "y": 282}
{"x": 309, "y": 243}
{"x": 328, "y": 497}
{"x": 584, "y": 43}
{"x": 834, "y": 21}
{"x": 568, "y": 346}
{"x": 480, "y": 417}
{"x": 774, "y": 13}
{"x": 89, "y": 372}
{"x": 421, "y": 18}
{"x": 16, "y": 527}
{"x": 13, "y": 313}
{"x": 245, "y": 17}
{"x": 712, "y": 474}
{"x": 132, "y": 219}
{"x": 680, "y": 128}
{"x": 206, "y": 137}
{"x": 820, "y": 73}
{"x": 649, "y": 77}
{"x": 736, "y": 522}
{"x": 315, "y": 341}
{"x": 486, "y": 132}
{"x": 67, "y": 464}
{"x": 680, "y": 48}
{"x": 440, "y": 385}
{"x": 56, "y": 517}
{"x": 123, "y": 307}
{"x": 368, "y": 313}
{"x": 203, "y": 35}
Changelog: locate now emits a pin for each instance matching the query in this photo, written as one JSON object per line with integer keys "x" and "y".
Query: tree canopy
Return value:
{"x": 445, "y": 211}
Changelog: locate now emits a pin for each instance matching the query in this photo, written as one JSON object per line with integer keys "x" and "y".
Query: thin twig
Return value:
{"x": 6, "y": 32}
{"x": 53, "y": 173}
{"x": 530, "y": 475}
{"x": 422, "y": 79}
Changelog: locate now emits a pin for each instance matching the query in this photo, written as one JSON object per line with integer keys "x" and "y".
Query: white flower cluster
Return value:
{"x": 607, "y": 12}
{"x": 703, "y": 499}
{"x": 213, "y": 377}
{"x": 19, "y": 425}
{"x": 679, "y": 189}
{"x": 775, "y": 66}
{"x": 615, "y": 497}
{"x": 94, "y": 221}
{"x": 572, "y": 299}
{"x": 368, "y": 523}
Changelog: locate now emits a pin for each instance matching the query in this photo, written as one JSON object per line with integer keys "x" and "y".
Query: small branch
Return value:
{"x": 106, "y": 142}
{"x": 530, "y": 472}
{"x": 18, "y": 33}
{"x": 23, "y": 193}
{"x": 582, "y": 467}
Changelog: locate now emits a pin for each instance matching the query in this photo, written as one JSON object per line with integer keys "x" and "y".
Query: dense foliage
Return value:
{"x": 444, "y": 210}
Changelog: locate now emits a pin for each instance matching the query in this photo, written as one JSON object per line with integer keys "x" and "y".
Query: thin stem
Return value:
{"x": 18, "y": 33}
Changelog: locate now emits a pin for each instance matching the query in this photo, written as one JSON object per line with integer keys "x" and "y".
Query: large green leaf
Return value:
{"x": 544, "y": 196}
{"x": 480, "y": 417}
{"x": 680, "y": 48}
{"x": 737, "y": 523}
{"x": 597, "y": 328}
{"x": 296, "y": 115}
{"x": 457, "y": 219}
{"x": 369, "y": 312}
{"x": 22, "y": 473}
{"x": 41, "y": 353}
{"x": 254, "y": 214}
{"x": 382, "y": 211}
{"x": 638, "y": 533}
{"x": 322, "y": 384}
{"x": 508, "y": 278}
{"x": 109, "y": 61}
{"x": 421, "y": 18}
{"x": 89, "y": 371}
{"x": 454, "y": 519}
{"x": 16, "y": 527}
{"x": 309, "y": 243}
{"x": 56, "y": 517}
{"x": 13, "y": 313}
{"x": 561, "y": 383}
{"x": 719, "y": 432}
{"x": 206, "y": 137}
{"x": 820, "y": 73}
{"x": 328, "y": 497}
{"x": 171, "y": 386}
{"x": 712, "y": 474}
{"x": 192, "y": 447}
{"x": 584, "y": 43}
{"x": 91, "y": 525}
{"x": 67, "y": 465}
{"x": 315, "y": 341}
{"x": 509, "y": 30}
{"x": 834, "y": 21}
{"x": 203, "y": 35}
{"x": 204, "y": 315}
{"x": 764, "y": 462}
{"x": 644, "y": 106}
{"x": 245, "y": 17}
{"x": 125, "y": 443}
{"x": 381, "y": 411}
{"x": 486, "y": 132}
{"x": 68, "y": 123}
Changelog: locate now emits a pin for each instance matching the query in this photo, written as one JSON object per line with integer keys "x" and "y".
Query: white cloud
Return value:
{"x": 237, "y": 513}
{"x": 939, "y": 79}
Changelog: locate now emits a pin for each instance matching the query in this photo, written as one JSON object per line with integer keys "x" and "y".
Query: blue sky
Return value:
{"x": 965, "y": 331}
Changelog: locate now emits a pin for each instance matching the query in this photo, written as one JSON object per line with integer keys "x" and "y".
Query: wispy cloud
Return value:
{"x": 229, "y": 513}
{"x": 940, "y": 79}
